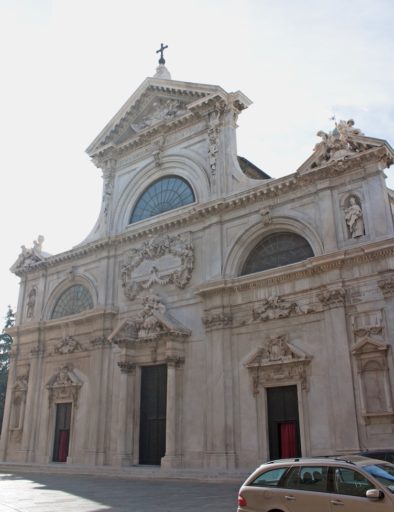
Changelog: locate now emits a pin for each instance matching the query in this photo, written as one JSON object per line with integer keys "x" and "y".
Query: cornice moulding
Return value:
{"x": 271, "y": 189}
{"x": 305, "y": 269}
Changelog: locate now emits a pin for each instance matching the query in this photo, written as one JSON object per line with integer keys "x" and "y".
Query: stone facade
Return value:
{"x": 171, "y": 291}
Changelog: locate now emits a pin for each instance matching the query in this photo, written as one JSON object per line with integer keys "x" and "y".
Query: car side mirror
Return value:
{"x": 374, "y": 494}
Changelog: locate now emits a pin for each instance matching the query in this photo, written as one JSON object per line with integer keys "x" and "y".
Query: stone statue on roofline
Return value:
{"x": 29, "y": 257}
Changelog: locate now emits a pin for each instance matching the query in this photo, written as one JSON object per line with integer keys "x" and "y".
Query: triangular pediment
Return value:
{"x": 152, "y": 322}
{"x": 344, "y": 145}
{"x": 274, "y": 351}
{"x": 157, "y": 103}
{"x": 368, "y": 345}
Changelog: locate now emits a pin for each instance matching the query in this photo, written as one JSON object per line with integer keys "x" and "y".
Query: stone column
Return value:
{"x": 343, "y": 427}
{"x": 172, "y": 457}
{"x": 31, "y": 409}
{"x": 220, "y": 413}
{"x": 125, "y": 441}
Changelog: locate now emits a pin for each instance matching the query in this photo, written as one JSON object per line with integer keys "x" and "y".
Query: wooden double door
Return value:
{"x": 152, "y": 445}
{"x": 283, "y": 422}
{"x": 62, "y": 432}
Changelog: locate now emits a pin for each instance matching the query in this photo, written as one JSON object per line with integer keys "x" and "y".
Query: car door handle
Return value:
{"x": 337, "y": 502}
{"x": 289, "y": 498}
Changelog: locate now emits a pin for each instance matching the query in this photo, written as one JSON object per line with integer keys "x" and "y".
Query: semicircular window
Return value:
{"x": 161, "y": 196}
{"x": 74, "y": 300}
{"x": 277, "y": 250}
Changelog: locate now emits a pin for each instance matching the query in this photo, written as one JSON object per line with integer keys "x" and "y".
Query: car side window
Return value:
{"x": 350, "y": 482}
{"x": 269, "y": 478}
{"x": 308, "y": 478}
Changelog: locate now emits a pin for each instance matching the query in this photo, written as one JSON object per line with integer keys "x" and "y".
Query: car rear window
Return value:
{"x": 270, "y": 478}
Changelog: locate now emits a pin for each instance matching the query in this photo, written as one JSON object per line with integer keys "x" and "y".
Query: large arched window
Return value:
{"x": 277, "y": 250}
{"x": 161, "y": 196}
{"x": 74, "y": 300}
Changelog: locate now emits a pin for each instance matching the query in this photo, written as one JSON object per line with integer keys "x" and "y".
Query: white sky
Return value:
{"x": 69, "y": 65}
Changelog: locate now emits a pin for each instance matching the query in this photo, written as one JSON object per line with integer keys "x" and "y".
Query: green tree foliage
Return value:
{"x": 5, "y": 348}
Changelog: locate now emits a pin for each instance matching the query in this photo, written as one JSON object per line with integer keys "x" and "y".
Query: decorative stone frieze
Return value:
{"x": 68, "y": 345}
{"x": 332, "y": 298}
{"x": 369, "y": 332}
{"x": 213, "y": 139}
{"x": 217, "y": 320}
{"x": 387, "y": 286}
{"x": 37, "y": 351}
{"x": 64, "y": 385}
{"x": 100, "y": 341}
{"x": 277, "y": 360}
{"x": 276, "y": 307}
{"x": 167, "y": 252}
{"x": 127, "y": 367}
{"x": 175, "y": 361}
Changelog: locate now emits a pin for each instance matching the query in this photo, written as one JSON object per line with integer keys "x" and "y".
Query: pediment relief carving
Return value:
{"x": 369, "y": 346}
{"x": 276, "y": 350}
{"x": 161, "y": 260}
{"x": 342, "y": 144}
{"x": 151, "y": 323}
{"x": 29, "y": 257}
{"x": 64, "y": 385}
{"x": 274, "y": 308}
{"x": 278, "y": 361}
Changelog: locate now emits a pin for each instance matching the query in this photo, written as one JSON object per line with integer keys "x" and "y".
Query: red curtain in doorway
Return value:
{"x": 63, "y": 445}
{"x": 288, "y": 439}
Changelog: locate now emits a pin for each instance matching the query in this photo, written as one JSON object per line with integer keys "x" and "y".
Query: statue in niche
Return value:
{"x": 31, "y": 302}
{"x": 354, "y": 218}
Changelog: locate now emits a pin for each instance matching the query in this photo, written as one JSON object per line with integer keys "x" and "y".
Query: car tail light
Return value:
{"x": 241, "y": 501}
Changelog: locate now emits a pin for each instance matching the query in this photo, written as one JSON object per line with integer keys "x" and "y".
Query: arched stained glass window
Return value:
{"x": 277, "y": 250}
{"x": 161, "y": 196}
{"x": 74, "y": 300}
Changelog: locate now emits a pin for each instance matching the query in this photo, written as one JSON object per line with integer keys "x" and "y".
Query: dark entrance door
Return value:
{"x": 153, "y": 414}
{"x": 62, "y": 432}
{"x": 283, "y": 422}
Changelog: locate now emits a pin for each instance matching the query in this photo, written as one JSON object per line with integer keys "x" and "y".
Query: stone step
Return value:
{"x": 144, "y": 472}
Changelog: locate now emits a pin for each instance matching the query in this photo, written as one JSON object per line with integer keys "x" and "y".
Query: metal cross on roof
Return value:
{"x": 161, "y": 50}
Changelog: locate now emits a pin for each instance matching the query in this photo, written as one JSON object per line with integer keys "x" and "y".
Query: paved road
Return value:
{"x": 37, "y": 492}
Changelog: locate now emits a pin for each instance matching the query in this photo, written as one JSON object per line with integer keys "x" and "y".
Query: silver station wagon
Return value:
{"x": 353, "y": 483}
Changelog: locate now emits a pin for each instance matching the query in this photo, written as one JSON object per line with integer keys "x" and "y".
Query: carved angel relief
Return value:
{"x": 162, "y": 260}
{"x": 162, "y": 110}
{"x": 276, "y": 307}
{"x": 277, "y": 360}
{"x": 68, "y": 345}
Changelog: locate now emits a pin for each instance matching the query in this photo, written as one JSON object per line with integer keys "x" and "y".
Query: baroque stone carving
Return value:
{"x": 332, "y": 298}
{"x": 213, "y": 139}
{"x": 211, "y": 320}
{"x": 177, "y": 249}
{"x": 68, "y": 345}
{"x": 163, "y": 110}
{"x": 276, "y": 360}
{"x": 126, "y": 367}
{"x": 338, "y": 143}
{"x": 387, "y": 286}
{"x": 266, "y": 216}
{"x": 29, "y": 257}
{"x": 64, "y": 385}
{"x": 31, "y": 302}
{"x": 354, "y": 218}
{"x": 275, "y": 307}
{"x": 150, "y": 324}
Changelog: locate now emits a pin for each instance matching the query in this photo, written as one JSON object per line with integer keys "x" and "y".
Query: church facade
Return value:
{"x": 215, "y": 317}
